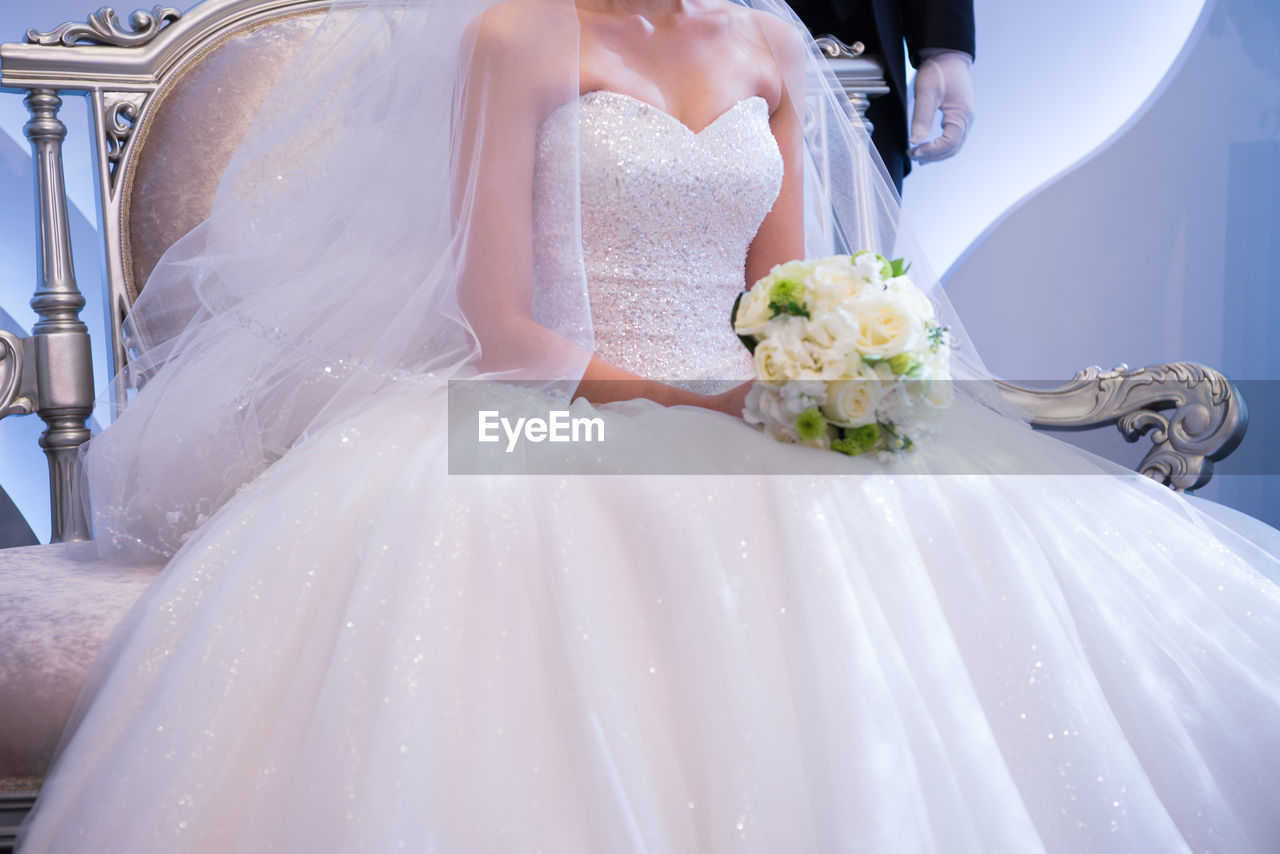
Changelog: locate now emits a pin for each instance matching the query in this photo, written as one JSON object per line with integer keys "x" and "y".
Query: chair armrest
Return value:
{"x": 1192, "y": 414}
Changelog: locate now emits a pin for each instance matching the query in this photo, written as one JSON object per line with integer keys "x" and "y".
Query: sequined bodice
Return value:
{"x": 666, "y": 217}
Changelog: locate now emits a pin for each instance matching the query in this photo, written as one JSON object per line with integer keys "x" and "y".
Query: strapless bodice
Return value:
{"x": 666, "y": 216}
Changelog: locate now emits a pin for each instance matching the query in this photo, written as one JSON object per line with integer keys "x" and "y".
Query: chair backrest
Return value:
{"x": 171, "y": 96}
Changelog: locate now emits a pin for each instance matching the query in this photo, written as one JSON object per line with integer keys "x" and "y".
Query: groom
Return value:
{"x": 939, "y": 37}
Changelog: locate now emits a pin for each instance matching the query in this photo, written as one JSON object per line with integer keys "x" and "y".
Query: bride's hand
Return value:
{"x": 732, "y": 401}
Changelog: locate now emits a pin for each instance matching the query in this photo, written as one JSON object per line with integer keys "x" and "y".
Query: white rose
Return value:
{"x": 915, "y": 298}
{"x": 783, "y": 354}
{"x": 885, "y": 326}
{"x": 773, "y": 363}
{"x": 753, "y": 309}
{"x": 853, "y": 402}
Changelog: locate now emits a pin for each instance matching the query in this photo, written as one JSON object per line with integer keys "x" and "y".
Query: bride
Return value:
{"x": 373, "y": 634}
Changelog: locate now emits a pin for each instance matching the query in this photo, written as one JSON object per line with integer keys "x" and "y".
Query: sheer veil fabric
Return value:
{"x": 356, "y": 242}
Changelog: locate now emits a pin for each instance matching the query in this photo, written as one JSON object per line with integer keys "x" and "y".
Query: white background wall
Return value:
{"x": 1158, "y": 245}
{"x": 1116, "y": 201}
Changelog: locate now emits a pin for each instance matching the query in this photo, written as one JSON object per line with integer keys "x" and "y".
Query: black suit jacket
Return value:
{"x": 883, "y": 25}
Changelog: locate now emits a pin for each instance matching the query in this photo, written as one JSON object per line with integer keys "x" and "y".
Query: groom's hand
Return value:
{"x": 942, "y": 83}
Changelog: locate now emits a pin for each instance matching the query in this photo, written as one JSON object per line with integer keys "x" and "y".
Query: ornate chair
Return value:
{"x": 170, "y": 95}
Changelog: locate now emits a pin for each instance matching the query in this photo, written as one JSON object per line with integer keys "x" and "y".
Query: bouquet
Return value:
{"x": 849, "y": 355}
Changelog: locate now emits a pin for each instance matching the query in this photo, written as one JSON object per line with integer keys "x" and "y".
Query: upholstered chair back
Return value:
{"x": 189, "y": 132}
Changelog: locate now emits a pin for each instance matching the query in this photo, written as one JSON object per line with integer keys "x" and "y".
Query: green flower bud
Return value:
{"x": 903, "y": 363}
{"x": 857, "y": 440}
{"x": 786, "y": 296}
{"x": 811, "y": 423}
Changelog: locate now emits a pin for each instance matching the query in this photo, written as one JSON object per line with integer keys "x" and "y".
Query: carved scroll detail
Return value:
{"x": 1192, "y": 414}
{"x": 119, "y": 117}
{"x": 834, "y": 48}
{"x": 14, "y": 400}
{"x": 104, "y": 28}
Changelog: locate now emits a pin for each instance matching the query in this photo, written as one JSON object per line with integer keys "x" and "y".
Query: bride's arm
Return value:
{"x": 781, "y": 235}
{"x": 516, "y": 77}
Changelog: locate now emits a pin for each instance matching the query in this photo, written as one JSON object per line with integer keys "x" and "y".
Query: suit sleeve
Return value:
{"x": 937, "y": 23}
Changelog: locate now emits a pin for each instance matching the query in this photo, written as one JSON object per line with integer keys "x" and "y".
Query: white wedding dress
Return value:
{"x": 363, "y": 652}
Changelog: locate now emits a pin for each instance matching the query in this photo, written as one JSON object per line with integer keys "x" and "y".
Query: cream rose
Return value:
{"x": 915, "y": 299}
{"x": 753, "y": 309}
{"x": 783, "y": 355}
{"x": 853, "y": 402}
{"x": 885, "y": 326}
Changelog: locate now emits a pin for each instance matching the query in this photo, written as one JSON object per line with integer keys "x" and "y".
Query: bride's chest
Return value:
{"x": 643, "y": 177}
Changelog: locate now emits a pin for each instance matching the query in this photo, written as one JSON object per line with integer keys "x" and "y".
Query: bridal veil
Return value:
{"x": 369, "y": 232}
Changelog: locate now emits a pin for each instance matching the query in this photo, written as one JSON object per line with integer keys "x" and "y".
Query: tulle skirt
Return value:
{"x": 364, "y": 652}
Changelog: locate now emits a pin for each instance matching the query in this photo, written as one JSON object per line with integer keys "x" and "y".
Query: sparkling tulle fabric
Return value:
{"x": 360, "y": 652}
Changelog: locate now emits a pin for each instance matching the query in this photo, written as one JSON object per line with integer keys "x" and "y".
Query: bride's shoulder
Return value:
{"x": 527, "y": 46}
{"x": 781, "y": 43}
{"x": 515, "y": 25}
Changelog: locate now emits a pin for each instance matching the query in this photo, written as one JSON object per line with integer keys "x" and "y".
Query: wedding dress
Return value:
{"x": 363, "y": 652}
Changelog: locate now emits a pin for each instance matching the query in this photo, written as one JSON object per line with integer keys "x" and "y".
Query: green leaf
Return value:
{"x": 793, "y": 308}
{"x": 936, "y": 334}
{"x": 748, "y": 341}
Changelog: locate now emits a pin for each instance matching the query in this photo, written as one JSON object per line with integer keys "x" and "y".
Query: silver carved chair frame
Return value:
{"x": 170, "y": 95}
{"x": 156, "y": 65}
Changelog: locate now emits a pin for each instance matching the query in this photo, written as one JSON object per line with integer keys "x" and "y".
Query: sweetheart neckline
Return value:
{"x": 664, "y": 113}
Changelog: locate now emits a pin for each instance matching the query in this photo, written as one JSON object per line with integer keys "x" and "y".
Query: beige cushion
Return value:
{"x": 55, "y": 614}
